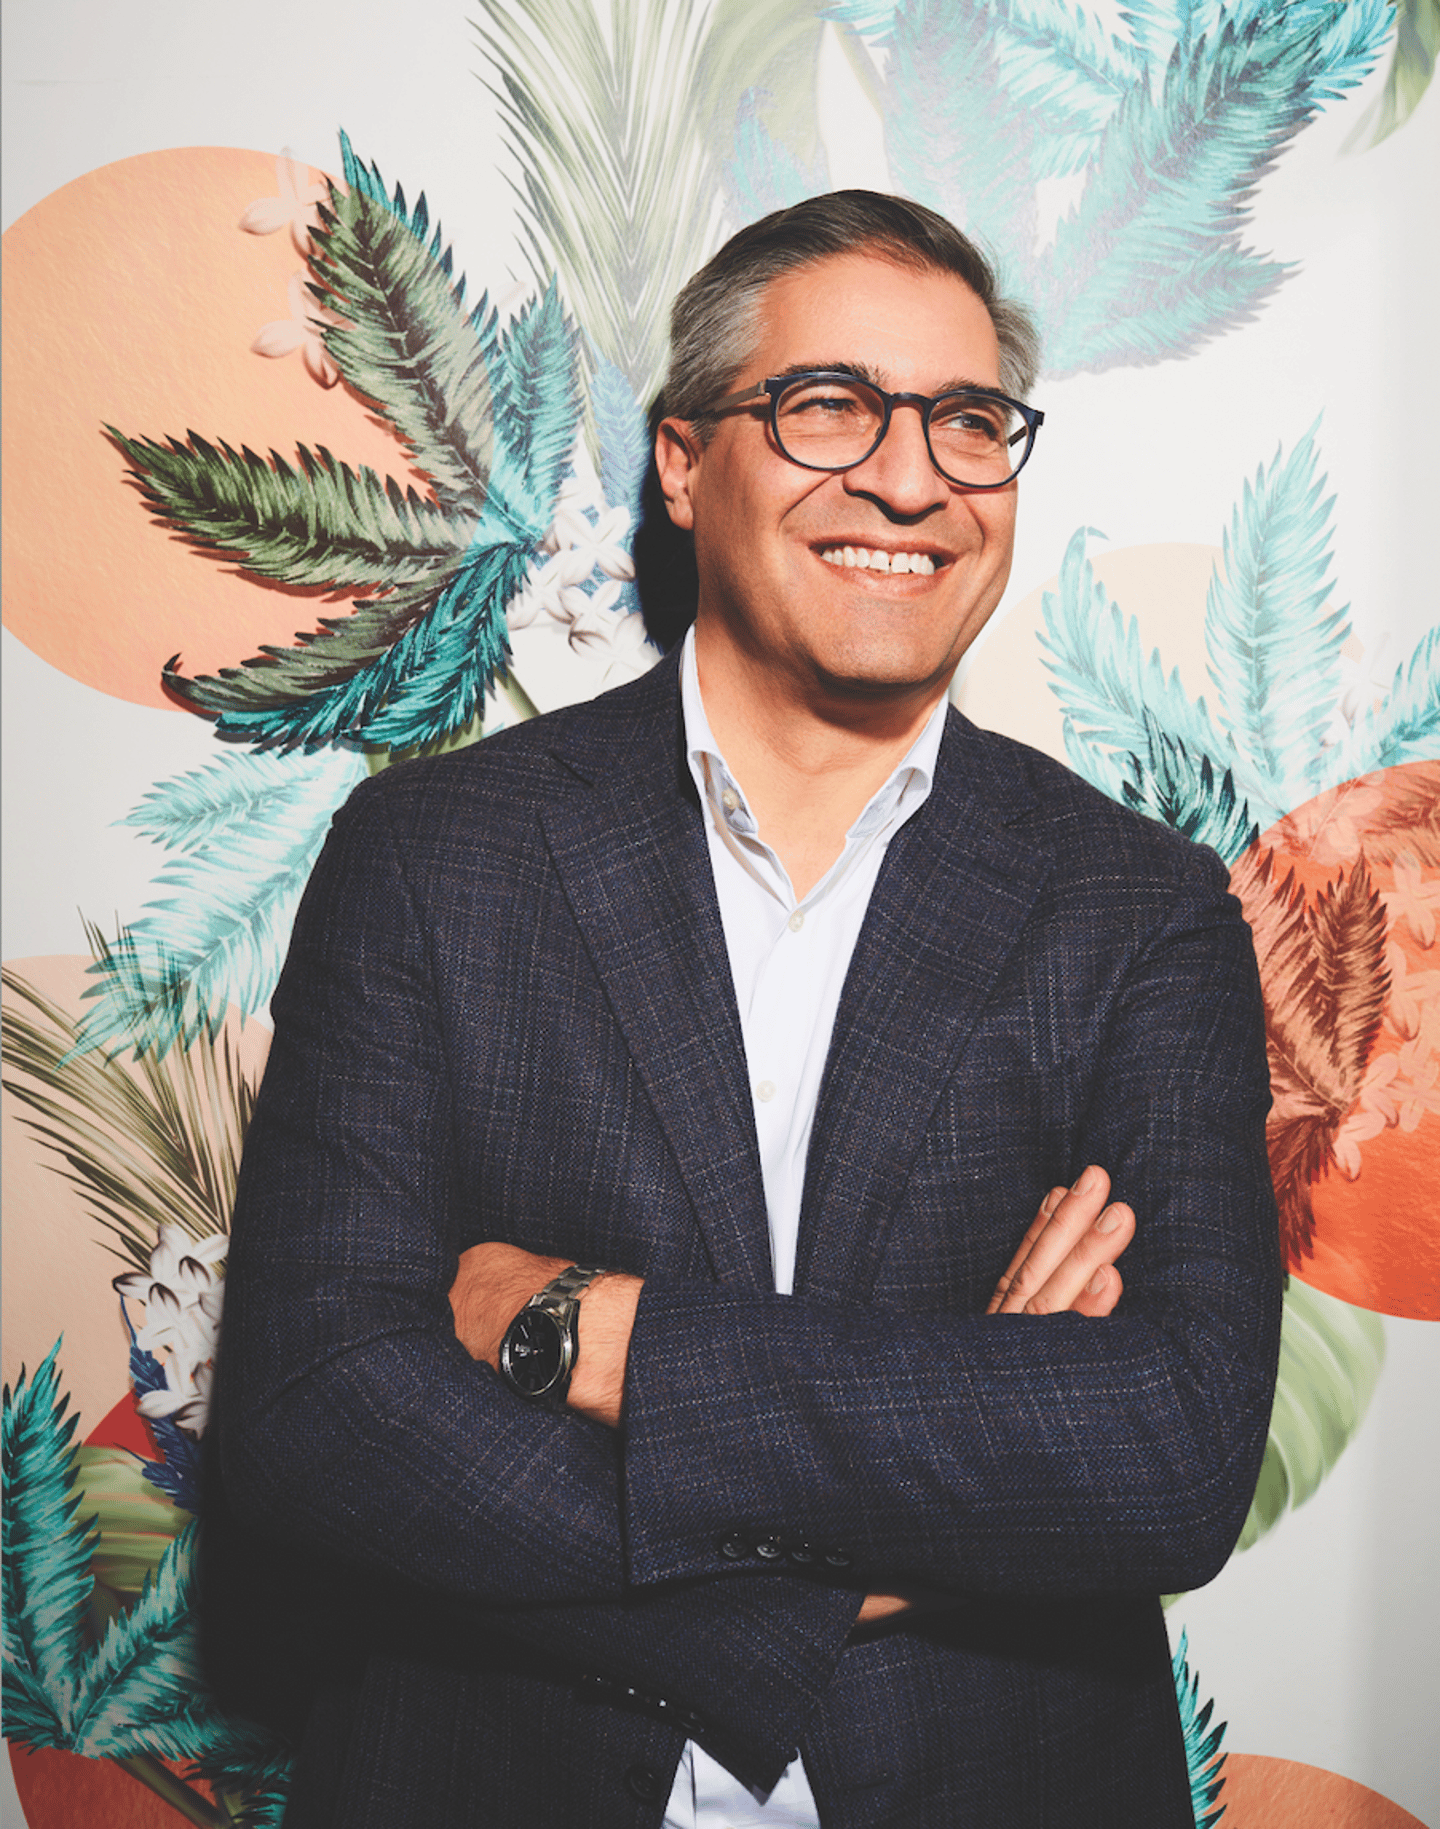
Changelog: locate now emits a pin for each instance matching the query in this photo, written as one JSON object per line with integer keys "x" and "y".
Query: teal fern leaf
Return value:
{"x": 1168, "y": 783}
{"x": 1404, "y": 728}
{"x": 1063, "y": 63}
{"x": 320, "y": 525}
{"x": 1274, "y": 647}
{"x": 1331, "y": 1356}
{"x": 1203, "y": 1758}
{"x": 335, "y": 661}
{"x": 1109, "y": 694}
{"x": 219, "y": 936}
{"x": 537, "y": 403}
{"x": 405, "y": 342}
{"x": 621, "y": 434}
{"x": 145, "y": 1671}
{"x": 46, "y": 1577}
{"x": 1150, "y": 263}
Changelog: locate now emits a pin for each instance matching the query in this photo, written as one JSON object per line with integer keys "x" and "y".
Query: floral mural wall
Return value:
{"x": 326, "y": 381}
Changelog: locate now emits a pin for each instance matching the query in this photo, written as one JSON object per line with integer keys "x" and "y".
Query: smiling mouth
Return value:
{"x": 864, "y": 558}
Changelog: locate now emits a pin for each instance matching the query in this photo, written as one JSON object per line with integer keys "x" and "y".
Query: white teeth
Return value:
{"x": 865, "y": 559}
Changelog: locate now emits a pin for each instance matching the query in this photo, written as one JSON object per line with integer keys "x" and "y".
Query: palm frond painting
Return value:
{"x": 1203, "y": 1757}
{"x": 1280, "y": 733}
{"x": 1112, "y": 174}
{"x": 130, "y": 1691}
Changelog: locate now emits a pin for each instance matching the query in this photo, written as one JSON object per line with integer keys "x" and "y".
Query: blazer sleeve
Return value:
{"x": 351, "y": 1421}
{"x": 1011, "y": 1455}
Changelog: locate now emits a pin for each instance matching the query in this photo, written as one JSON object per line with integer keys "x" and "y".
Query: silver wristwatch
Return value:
{"x": 541, "y": 1347}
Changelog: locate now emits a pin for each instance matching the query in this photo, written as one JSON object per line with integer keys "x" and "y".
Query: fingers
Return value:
{"x": 1068, "y": 1256}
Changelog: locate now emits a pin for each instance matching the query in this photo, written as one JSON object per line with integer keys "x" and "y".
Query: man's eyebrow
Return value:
{"x": 862, "y": 371}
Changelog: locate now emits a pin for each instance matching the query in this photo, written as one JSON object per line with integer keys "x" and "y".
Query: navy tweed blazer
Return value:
{"x": 507, "y": 1013}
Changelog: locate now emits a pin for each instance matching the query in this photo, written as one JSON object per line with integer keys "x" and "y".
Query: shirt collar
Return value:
{"x": 909, "y": 782}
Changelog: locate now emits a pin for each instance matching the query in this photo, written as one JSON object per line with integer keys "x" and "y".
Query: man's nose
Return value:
{"x": 899, "y": 472}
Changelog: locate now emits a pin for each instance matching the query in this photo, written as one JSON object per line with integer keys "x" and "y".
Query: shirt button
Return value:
{"x": 733, "y": 1547}
{"x": 729, "y": 800}
{"x": 765, "y": 1091}
{"x": 796, "y": 922}
{"x": 769, "y": 1549}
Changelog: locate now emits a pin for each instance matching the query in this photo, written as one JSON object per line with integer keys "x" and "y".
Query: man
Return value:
{"x": 781, "y": 996}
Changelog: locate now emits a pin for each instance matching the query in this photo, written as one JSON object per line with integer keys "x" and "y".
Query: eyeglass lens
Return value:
{"x": 832, "y": 424}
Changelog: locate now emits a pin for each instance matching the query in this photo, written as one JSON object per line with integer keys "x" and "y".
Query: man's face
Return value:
{"x": 769, "y": 535}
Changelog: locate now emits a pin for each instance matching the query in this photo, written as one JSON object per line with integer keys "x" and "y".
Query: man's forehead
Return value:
{"x": 826, "y": 300}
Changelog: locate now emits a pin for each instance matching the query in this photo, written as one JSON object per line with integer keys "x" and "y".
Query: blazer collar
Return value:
{"x": 955, "y": 890}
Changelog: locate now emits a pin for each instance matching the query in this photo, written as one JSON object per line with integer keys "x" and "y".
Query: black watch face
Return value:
{"x": 533, "y": 1352}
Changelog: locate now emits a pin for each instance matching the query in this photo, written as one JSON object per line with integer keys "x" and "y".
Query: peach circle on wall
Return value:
{"x": 1263, "y": 1793}
{"x": 134, "y": 297}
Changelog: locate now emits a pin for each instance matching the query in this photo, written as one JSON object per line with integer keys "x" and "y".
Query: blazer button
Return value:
{"x": 800, "y": 1553}
{"x": 643, "y": 1783}
{"x": 838, "y": 1559}
{"x": 769, "y": 1549}
{"x": 733, "y": 1547}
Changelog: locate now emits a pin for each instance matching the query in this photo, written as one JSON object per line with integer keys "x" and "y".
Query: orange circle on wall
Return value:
{"x": 132, "y": 298}
{"x": 1263, "y": 1793}
{"x": 1376, "y": 1240}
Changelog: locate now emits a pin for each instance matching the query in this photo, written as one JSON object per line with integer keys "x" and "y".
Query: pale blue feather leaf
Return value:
{"x": 620, "y": 433}
{"x": 46, "y": 1563}
{"x": 1404, "y": 728}
{"x": 218, "y": 936}
{"x": 762, "y": 173}
{"x": 956, "y": 137}
{"x": 1150, "y": 263}
{"x": 1273, "y": 644}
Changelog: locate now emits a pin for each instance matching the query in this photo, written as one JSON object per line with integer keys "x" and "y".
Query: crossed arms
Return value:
{"x": 1063, "y": 1455}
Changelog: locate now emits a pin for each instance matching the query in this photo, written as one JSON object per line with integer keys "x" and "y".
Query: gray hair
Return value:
{"x": 715, "y": 320}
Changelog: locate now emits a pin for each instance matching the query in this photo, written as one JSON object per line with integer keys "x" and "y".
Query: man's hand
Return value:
{"x": 1067, "y": 1258}
{"x": 495, "y": 1281}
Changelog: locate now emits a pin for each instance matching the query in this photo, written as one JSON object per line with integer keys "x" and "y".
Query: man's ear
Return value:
{"x": 677, "y": 458}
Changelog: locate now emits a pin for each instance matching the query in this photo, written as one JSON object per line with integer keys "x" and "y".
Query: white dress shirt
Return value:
{"x": 788, "y": 959}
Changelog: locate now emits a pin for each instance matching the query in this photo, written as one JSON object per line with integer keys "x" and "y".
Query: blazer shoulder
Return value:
{"x": 622, "y": 732}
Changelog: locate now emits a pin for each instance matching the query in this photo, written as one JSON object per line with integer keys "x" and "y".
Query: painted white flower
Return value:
{"x": 184, "y": 1295}
{"x": 293, "y": 206}
{"x": 301, "y": 330}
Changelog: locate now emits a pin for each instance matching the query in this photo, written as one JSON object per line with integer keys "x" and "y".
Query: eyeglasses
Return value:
{"x": 826, "y": 420}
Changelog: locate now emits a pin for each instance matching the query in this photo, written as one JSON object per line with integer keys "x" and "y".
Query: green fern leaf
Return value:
{"x": 1412, "y": 65}
{"x": 46, "y": 1552}
{"x": 339, "y": 656}
{"x": 406, "y": 343}
{"x": 1330, "y": 1360}
{"x": 321, "y": 526}
{"x": 160, "y": 1145}
{"x": 617, "y": 181}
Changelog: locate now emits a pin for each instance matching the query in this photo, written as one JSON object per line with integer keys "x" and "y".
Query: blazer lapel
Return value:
{"x": 954, "y": 893}
{"x": 632, "y": 858}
